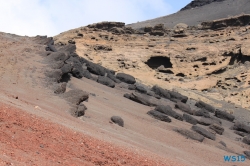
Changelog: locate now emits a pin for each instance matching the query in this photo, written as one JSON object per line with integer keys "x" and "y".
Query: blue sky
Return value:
{"x": 51, "y": 17}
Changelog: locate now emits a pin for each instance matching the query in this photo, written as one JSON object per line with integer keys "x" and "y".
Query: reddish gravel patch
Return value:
{"x": 28, "y": 140}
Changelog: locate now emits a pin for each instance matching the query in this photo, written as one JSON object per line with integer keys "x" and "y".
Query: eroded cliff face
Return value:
{"x": 201, "y": 63}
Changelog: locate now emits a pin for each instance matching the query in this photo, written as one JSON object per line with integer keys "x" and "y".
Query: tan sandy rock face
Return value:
{"x": 216, "y": 62}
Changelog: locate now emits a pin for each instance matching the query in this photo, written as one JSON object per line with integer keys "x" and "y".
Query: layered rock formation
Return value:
{"x": 202, "y": 60}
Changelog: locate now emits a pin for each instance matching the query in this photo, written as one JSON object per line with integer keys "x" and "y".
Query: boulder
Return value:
{"x": 190, "y": 134}
{"x": 96, "y": 69}
{"x": 202, "y": 112}
{"x": 203, "y": 132}
{"x": 140, "y": 88}
{"x": 77, "y": 69}
{"x": 224, "y": 115}
{"x": 206, "y": 121}
{"x": 117, "y": 120}
{"x": 247, "y": 153}
{"x": 223, "y": 143}
{"x": 240, "y": 133}
{"x": 60, "y": 88}
{"x": 126, "y": 95}
{"x": 241, "y": 126}
{"x": 86, "y": 74}
{"x": 161, "y": 92}
{"x": 144, "y": 99}
{"x": 168, "y": 111}
{"x": 112, "y": 77}
{"x": 126, "y": 78}
{"x": 184, "y": 107}
{"x": 66, "y": 68}
{"x": 190, "y": 119}
{"x": 54, "y": 75}
{"x": 246, "y": 140}
{"x": 175, "y": 96}
{"x": 131, "y": 87}
{"x": 218, "y": 129}
{"x": 106, "y": 81}
{"x": 102, "y": 47}
{"x": 79, "y": 111}
{"x": 56, "y": 56}
{"x": 68, "y": 49}
{"x": 76, "y": 96}
{"x": 159, "y": 116}
{"x": 206, "y": 106}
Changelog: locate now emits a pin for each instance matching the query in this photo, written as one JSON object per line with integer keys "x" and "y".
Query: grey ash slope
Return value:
{"x": 195, "y": 16}
{"x": 199, "y": 3}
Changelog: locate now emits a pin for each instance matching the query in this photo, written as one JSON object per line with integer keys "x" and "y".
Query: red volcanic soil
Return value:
{"x": 29, "y": 140}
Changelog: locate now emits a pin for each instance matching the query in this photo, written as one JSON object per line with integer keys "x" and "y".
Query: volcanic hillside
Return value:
{"x": 108, "y": 94}
{"x": 205, "y": 12}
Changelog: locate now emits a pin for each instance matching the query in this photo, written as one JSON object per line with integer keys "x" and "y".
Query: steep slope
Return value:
{"x": 199, "y": 3}
{"x": 195, "y": 16}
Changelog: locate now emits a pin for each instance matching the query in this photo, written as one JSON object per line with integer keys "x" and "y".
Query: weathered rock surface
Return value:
{"x": 165, "y": 109}
{"x": 159, "y": 116}
{"x": 203, "y": 132}
{"x": 118, "y": 120}
{"x": 184, "y": 107}
{"x": 246, "y": 140}
{"x": 144, "y": 99}
{"x": 75, "y": 96}
{"x": 190, "y": 119}
{"x": 106, "y": 81}
{"x": 206, "y": 106}
{"x": 224, "y": 115}
{"x": 190, "y": 134}
{"x": 241, "y": 126}
{"x": 125, "y": 78}
{"x": 218, "y": 129}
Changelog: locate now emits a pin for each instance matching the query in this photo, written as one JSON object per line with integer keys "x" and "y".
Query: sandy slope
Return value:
{"x": 37, "y": 130}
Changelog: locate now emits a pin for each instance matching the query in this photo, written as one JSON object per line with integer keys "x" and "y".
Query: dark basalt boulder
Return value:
{"x": 112, "y": 77}
{"x": 190, "y": 134}
{"x": 66, "y": 68}
{"x": 76, "y": 96}
{"x": 203, "y": 132}
{"x": 168, "y": 111}
{"x": 206, "y": 121}
{"x": 54, "y": 75}
{"x": 68, "y": 49}
{"x": 202, "y": 112}
{"x": 159, "y": 116}
{"x": 161, "y": 92}
{"x": 96, "y": 69}
{"x": 218, "y": 129}
{"x": 184, "y": 107}
{"x": 140, "y": 88}
{"x": 241, "y": 133}
{"x": 126, "y": 95}
{"x": 106, "y": 81}
{"x": 246, "y": 140}
{"x": 79, "y": 111}
{"x": 56, "y": 56}
{"x": 241, "y": 126}
{"x": 144, "y": 99}
{"x": 224, "y": 115}
{"x": 117, "y": 120}
{"x": 247, "y": 153}
{"x": 77, "y": 69}
{"x": 131, "y": 87}
{"x": 126, "y": 78}
{"x": 190, "y": 119}
{"x": 206, "y": 106}
{"x": 175, "y": 96}
{"x": 60, "y": 88}
{"x": 86, "y": 74}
